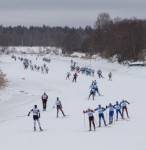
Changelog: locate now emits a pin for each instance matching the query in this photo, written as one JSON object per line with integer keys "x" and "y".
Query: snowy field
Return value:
{"x": 25, "y": 88}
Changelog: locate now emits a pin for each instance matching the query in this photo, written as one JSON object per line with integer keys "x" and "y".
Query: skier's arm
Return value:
{"x": 103, "y": 109}
{"x": 127, "y": 102}
{"x": 96, "y": 109}
{"x": 29, "y": 112}
{"x": 107, "y": 107}
{"x": 114, "y": 106}
{"x": 85, "y": 111}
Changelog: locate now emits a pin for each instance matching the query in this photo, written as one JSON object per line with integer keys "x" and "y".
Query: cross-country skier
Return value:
{"x": 44, "y": 101}
{"x": 91, "y": 118}
{"x": 99, "y": 73}
{"x": 110, "y": 76}
{"x": 101, "y": 114}
{"x": 111, "y": 112}
{"x": 68, "y": 75}
{"x": 75, "y": 77}
{"x": 92, "y": 93}
{"x": 59, "y": 107}
{"x": 124, "y": 107}
{"x": 95, "y": 87}
{"x": 36, "y": 116}
{"x": 117, "y": 106}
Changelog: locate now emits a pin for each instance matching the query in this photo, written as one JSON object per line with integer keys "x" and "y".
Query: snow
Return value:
{"x": 32, "y": 50}
{"x": 25, "y": 88}
{"x": 77, "y": 54}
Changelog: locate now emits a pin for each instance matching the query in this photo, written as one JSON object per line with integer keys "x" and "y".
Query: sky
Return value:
{"x": 73, "y": 13}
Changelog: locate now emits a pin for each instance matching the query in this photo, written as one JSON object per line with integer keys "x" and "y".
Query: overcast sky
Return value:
{"x": 66, "y": 12}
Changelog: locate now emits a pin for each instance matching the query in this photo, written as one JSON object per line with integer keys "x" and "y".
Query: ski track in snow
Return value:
{"x": 25, "y": 88}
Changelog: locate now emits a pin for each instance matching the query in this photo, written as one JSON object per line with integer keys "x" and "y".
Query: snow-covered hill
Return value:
{"x": 25, "y": 88}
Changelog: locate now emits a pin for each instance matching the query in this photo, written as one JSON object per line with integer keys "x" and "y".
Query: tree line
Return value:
{"x": 123, "y": 38}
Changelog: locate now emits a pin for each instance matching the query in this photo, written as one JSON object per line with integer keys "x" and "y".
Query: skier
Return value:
{"x": 101, "y": 114}
{"x": 117, "y": 106}
{"x": 36, "y": 116}
{"x": 44, "y": 101}
{"x": 111, "y": 112}
{"x": 68, "y": 75}
{"x": 124, "y": 107}
{"x": 92, "y": 92}
{"x": 99, "y": 72}
{"x": 95, "y": 87}
{"x": 110, "y": 76}
{"x": 75, "y": 77}
{"x": 59, "y": 107}
{"x": 91, "y": 118}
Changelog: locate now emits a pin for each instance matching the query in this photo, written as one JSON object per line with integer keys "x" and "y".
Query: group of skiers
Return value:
{"x": 88, "y": 71}
{"x": 118, "y": 108}
{"x": 27, "y": 63}
{"x": 74, "y": 79}
{"x": 100, "y": 75}
{"x": 36, "y": 112}
{"x": 113, "y": 111}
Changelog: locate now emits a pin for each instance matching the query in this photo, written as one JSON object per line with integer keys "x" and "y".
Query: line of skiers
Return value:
{"x": 28, "y": 64}
{"x": 88, "y": 71}
{"x": 36, "y": 112}
{"x": 118, "y": 108}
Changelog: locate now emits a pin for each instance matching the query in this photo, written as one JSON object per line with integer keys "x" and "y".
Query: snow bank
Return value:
{"x": 32, "y": 50}
{"x": 77, "y": 54}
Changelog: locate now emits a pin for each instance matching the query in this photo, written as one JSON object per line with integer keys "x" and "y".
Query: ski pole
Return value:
{"x": 21, "y": 116}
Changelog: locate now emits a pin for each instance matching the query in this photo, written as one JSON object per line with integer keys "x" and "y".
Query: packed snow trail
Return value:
{"x": 25, "y": 88}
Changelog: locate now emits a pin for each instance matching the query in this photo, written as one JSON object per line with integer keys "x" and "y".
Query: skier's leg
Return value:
{"x": 62, "y": 112}
{"x": 104, "y": 120}
{"x": 93, "y": 124}
{"x": 57, "y": 112}
{"x": 120, "y": 114}
{"x": 123, "y": 112}
{"x": 112, "y": 117}
{"x": 34, "y": 125}
{"x": 39, "y": 124}
{"x": 116, "y": 115}
{"x": 93, "y": 96}
{"x": 98, "y": 91}
{"x": 99, "y": 120}
{"x": 43, "y": 106}
{"x": 89, "y": 124}
{"x": 89, "y": 96}
{"x": 110, "y": 122}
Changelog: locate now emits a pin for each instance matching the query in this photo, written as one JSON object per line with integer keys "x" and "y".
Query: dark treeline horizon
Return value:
{"x": 125, "y": 38}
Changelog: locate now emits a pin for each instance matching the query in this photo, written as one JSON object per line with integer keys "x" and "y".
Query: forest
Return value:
{"x": 120, "y": 37}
